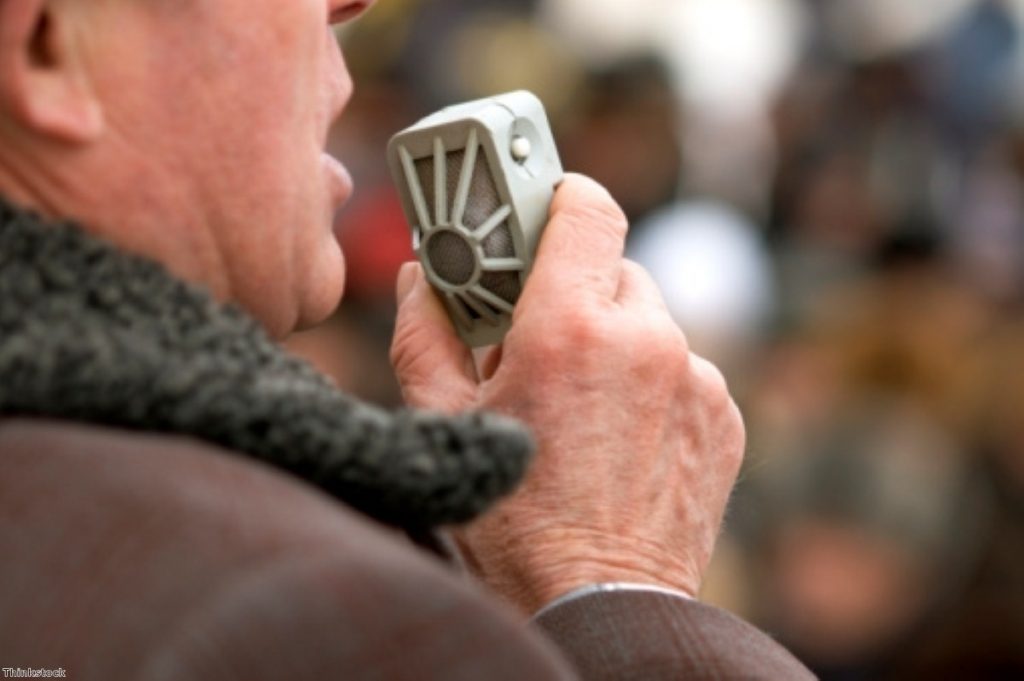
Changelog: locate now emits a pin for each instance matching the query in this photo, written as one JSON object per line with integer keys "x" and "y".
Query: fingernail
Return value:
{"x": 406, "y": 280}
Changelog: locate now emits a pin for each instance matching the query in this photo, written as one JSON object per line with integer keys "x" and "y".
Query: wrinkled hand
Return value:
{"x": 639, "y": 441}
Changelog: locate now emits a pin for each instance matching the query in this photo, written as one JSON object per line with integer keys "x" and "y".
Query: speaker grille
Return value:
{"x": 499, "y": 244}
{"x": 459, "y": 208}
{"x": 505, "y": 285}
{"x": 425, "y": 172}
{"x": 451, "y": 257}
{"x": 484, "y": 200}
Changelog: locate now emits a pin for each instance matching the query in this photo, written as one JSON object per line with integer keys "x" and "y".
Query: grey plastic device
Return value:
{"x": 476, "y": 182}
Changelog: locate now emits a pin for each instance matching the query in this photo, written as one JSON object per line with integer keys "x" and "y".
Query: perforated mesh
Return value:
{"x": 483, "y": 193}
{"x": 505, "y": 285}
{"x": 425, "y": 173}
{"x": 451, "y": 257}
{"x": 484, "y": 200}
{"x": 499, "y": 244}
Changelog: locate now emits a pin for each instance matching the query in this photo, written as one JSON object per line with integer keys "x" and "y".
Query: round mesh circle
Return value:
{"x": 451, "y": 257}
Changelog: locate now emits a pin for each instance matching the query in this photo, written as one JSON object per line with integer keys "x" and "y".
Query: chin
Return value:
{"x": 323, "y": 295}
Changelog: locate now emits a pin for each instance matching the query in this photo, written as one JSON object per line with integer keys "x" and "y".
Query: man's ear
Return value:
{"x": 44, "y": 84}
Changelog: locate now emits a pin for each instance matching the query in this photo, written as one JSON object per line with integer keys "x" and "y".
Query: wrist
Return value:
{"x": 538, "y": 568}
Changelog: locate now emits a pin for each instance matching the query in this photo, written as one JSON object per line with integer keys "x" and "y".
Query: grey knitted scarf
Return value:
{"x": 89, "y": 333}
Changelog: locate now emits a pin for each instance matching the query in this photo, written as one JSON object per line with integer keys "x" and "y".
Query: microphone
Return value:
{"x": 476, "y": 182}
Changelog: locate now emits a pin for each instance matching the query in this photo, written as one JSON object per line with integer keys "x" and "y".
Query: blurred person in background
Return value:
{"x": 870, "y": 531}
{"x": 625, "y": 131}
{"x": 167, "y": 213}
{"x": 878, "y": 416}
{"x": 980, "y": 634}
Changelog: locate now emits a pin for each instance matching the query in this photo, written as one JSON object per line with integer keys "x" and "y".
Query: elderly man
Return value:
{"x": 182, "y": 500}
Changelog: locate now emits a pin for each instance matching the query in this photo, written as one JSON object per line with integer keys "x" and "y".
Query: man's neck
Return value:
{"x": 19, "y": 183}
{"x": 68, "y": 184}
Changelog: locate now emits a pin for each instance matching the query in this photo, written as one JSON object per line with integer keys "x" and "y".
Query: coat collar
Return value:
{"x": 90, "y": 333}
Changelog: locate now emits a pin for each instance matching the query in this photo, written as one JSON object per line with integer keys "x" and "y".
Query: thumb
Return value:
{"x": 434, "y": 368}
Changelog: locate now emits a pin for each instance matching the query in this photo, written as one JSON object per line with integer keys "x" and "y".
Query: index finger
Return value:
{"x": 582, "y": 246}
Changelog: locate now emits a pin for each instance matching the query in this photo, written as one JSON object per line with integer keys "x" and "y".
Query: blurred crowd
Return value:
{"x": 831, "y": 195}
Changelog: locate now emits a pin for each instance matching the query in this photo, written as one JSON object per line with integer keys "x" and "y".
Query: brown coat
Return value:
{"x": 132, "y": 556}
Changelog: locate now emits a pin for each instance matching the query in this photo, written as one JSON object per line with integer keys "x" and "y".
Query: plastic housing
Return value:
{"x": 509, "y": 134}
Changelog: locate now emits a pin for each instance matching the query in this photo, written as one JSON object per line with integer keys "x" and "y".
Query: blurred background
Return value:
{"x": 831, "y": 195}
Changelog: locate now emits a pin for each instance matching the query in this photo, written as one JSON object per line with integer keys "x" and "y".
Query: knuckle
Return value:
{"x": 639, "y": 273}
{"x": 738, "y": 424}
{"x": 401, "y": 346}
{"x": 669, "y": 345}
{"x": 736, "y": 436}
{"x": 569, "y": 335}
{"x": 544, "y": 349}
{"x": 596, "y": 215}
{"x": 585, "y": 327}
{"x": 410, "y": 352}
{"x": 419, "y": 365}
{"x": 661, "y": 344}
{"x": 710, "y": 381}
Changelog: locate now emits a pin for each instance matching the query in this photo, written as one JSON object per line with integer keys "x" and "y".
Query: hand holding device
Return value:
{"x": 638, "y": 440}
